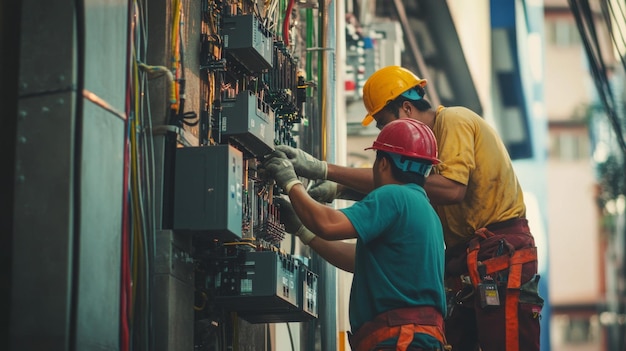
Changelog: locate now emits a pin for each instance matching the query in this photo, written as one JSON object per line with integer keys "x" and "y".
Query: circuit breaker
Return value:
{"x": 307, "y": 299}
{"x": 208, "y": 191}
{"x": 248, "y": 42}
{"x": 250, "y": 122}
{"x": 268, "y": 287}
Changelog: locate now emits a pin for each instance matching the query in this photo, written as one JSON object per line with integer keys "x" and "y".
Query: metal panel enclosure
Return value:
{"x": 41, "y": 309}
{"x": 266, "y": 288}
{"x": 173, "y": 293}
{"x": 250, "y": 122}
{"x": 248, "y": 42}
{"x": 208, "y": 191}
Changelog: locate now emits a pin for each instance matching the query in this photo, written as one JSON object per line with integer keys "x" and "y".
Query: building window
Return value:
{"x": 562, "y": 33}
{"x": 569, "y": 146}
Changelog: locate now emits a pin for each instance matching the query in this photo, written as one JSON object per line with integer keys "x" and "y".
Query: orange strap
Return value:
{"x": 503, "y": 262}
{"x": 514, "y": 262}
{"x": 404, "y": 333}
{"x": 499, "y": 263}
{"x": 472, "y": 261}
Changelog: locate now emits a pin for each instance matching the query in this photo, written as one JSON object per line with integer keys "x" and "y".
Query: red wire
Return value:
{"x": 125, "y": 289}
{"x": 125, "y": 270}
{"x": 286, "y": 22}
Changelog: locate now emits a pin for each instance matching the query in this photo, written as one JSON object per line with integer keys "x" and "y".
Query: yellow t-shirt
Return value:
{"x": 472, "y": 153}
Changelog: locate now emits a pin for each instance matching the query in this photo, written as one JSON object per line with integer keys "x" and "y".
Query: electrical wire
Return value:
{"x": 181, "y": 66}
{"x": 126, "y": 282}
{"x": 175, "y": 37}
{"x": 586, "y": 26}
{"x": 610, "y": 18}
{"x": 286, "y": 22}
{"x": 141, "y": 216}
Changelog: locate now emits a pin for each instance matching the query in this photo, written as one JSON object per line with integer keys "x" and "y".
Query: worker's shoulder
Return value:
{"x": 394, "y": 190}
{"x": 458, "y": 116}
{"x": 460, "y": 112}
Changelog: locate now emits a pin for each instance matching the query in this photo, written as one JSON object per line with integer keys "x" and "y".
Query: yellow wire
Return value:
{"x": 137, "y": 238}
{"x": 205, "y": 298}
{"x": 212, "y": 87}
{"x": 175, "y": 37}
{"x": 135, "y": 258}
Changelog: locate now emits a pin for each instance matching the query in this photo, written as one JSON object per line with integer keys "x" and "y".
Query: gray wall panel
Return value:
{"x": 46, "y": 55}
{"x": 100, "y": 235}
{"x": 106, "y": 43}
{"x": 42, "y": 245}
{"x": 173, "y": 314}
{"x": 41, "y": 310}
{"x": 102, "y": 165}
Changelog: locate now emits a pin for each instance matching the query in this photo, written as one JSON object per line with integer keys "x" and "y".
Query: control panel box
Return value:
{"x": 208, "y": 191}
{"x": 268, "y": 287}
{"x": 250, "y": 122}
{"x": 307, "y": 300}
{"x": 248, "y": 42}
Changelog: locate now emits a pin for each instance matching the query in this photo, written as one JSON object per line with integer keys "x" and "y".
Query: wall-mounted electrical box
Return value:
{"x": 307, "y": 300}
{"x": 268, "y": 287}
{"x": 208, "y": 191}
{"x": 248, "y": 42}
{"x": 250, "y": 122}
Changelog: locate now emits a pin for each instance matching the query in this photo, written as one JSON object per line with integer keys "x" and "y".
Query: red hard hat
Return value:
{"x": 407, "y": 137}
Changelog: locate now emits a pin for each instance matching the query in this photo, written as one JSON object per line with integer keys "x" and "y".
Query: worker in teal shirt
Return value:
{"x": 397, "y": 299}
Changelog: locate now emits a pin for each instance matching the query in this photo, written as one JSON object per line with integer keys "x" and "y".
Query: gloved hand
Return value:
{"x": 305, "y": 165}
{"x": 327, "y": 191}
{"x": 278, "y": 167}
{"x": 324, "y": 191}
{"x": 292, "y": 223}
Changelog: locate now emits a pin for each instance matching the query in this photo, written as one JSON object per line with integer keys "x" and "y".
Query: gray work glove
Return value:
{"x": 324, "y": 191}
{"x": 327, "y": 191}
{"x": 277, "y": 166}
{"x": 292, "y": 223}
{"x": 305, "y": 165}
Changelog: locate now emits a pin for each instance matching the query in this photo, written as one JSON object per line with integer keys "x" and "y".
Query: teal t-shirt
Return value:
{"x": 399, "y": 253}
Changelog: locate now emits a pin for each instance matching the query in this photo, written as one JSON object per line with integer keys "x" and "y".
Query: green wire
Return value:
{"x": 309, "y": 43}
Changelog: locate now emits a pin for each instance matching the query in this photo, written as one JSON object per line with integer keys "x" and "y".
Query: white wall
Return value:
{"x": 573, "y": 234}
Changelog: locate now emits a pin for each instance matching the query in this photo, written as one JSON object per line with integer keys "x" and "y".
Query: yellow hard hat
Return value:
{"x": 384, "y": 86}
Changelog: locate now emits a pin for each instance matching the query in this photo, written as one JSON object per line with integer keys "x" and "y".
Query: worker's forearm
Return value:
{"x": 338, "y": 253}
{"x": 443, "y": 191}
{"x": 360, "y": 179}
{"x": 324, "y": 221}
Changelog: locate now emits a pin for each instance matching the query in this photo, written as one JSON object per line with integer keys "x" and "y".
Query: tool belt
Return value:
{"x": 499, "y": 249}
{"x": 494, "y": 246}
{"x": 402, "y": 323}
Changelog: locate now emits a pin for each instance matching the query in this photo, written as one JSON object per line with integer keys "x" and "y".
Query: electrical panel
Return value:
{"x": 253, "y": 95}
{"x": 248, "y": 42}
{"x": 250, "y": 122}
{"x": 208, "y": 191}
{"x": 307, "y": 299}
{"x": 267, "y": 286}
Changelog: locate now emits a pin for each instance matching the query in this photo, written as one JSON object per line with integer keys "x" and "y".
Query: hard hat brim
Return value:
{"x": 367, "y": 120}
